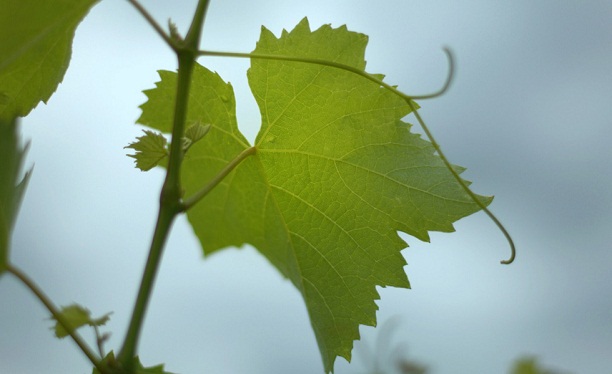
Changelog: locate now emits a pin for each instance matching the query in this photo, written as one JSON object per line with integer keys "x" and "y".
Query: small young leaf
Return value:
{"x": 150, "y": 150}
{"x": 530, "y": 365}
{"x": 196, "y": 132}
{"x": 157, "y": 369}
{"x": 77, "y": 316}
{"x": 111, "y": 364}
{"x": 193, "y": 134}
{"x": 35, "y": 50}
{"x": 174, "y": 32}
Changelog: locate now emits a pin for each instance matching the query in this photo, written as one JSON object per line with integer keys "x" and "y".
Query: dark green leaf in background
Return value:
{"x": 35, "y": 50}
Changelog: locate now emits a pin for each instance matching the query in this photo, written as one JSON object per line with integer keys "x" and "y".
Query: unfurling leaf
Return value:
{"x": 150, "y": 150}
{"x": 35, "y": 50}
{"x": 335, "y": 175}
{"x": 174, "y": 32}
{"x": 76, "y": 316}
{"x": 193, "y": 134}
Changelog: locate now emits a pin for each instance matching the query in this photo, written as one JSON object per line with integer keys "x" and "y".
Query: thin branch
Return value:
{"x": 160, "y": 31}
{"x": 170, "y": 204}
{"x": 194, "y": 34}
{"x": 169, "y": 207}
{"x": 99, "y": 341}
{"x": 130, "y": 343}
{"x": 337, "y": 65}
{"x": 191, "y": 201}
{"x": 44, "y": 299}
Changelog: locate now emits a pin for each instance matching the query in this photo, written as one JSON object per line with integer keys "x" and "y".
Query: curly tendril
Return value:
{"x": 409, "y": 100}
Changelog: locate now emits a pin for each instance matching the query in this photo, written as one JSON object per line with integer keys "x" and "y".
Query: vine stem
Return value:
{"x": 149, "y": 18}
{"x": 409, "y": 100}
{"x": 170, "y": 204}
{"x": 57, "y": 315}
{"x": 191, "y": 201}
{"x": 162, "y": 228}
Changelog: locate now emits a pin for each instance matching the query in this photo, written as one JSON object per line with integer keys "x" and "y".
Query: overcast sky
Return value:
{"x": 529, "y": 115}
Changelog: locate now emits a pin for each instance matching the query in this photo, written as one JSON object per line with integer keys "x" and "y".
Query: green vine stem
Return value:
{"x": 409, "y": 100}
{"x": 149, "y": 18}
{"x": 191, "y": 201}
{"x": 44, "y": 299}
{"x": 162, "y": 228}
{"x": 171, "y": 193}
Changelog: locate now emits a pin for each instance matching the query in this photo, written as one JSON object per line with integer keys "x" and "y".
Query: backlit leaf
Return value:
{"x": 77, "y": 316}
{"x": 193, "y": 134}
{"x": 335, "y": 176}
{"x": 150, "y": 150}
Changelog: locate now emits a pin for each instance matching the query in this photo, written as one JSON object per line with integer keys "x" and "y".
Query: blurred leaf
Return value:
{"x": 35, "y": 48}
{"x": 406, "y": 366}
{"x": 77, "y": 316}
{"x": 530, "y": 365}
{"x": 110, "y": 362}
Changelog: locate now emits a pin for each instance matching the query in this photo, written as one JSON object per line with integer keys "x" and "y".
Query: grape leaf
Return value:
{"x": 11, "y": 189}
{"x": 336, "y": 173}
{"x": 193, "y": 134}
{"x": 110, "y": 363}
{"x": 150, "y": 150}
{"x": 530, "y": 365}
{"x": 35, "y": 50}
{"x": 77, "y": 316}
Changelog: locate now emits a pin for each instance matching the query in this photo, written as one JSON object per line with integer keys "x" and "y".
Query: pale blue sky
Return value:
{"x": 528, "y": 115}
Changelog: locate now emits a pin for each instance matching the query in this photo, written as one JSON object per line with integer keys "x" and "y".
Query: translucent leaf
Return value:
{"x": 193, "y": 134}
{"x": 335, "y": 176}
{"x": 35, "y": 50}
{"x": 150, "y": 150}
{"x": 77, "y": 316}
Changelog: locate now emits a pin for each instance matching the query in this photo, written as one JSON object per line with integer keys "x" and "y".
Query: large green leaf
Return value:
{"x": 336, "y": 175}
{"x": 35, "y": 48}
